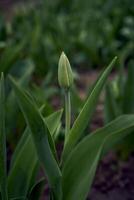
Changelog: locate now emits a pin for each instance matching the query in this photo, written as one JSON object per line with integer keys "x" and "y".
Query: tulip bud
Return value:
{"x": 65, "y": 74}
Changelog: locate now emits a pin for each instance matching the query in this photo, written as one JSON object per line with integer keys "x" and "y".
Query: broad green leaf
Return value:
{"x": 23, "y": 167}
{"x": 52, "y": 122}
{"x": 24, "y": 138}
{"x": 86, "y": 113}
{"x": 3, "y": 172}
{"x": 37, "y": 190}
{"x": 42, "y": 139}
{"x": 25, "y": 158}
{"x": 79, "y": 169}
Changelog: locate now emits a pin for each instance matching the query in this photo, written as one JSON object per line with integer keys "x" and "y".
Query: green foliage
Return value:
{"x": 71, "y": 178}
{"x": 49, "y": 27}
{"x": 23, "y": 72}
{"x": 29, "y": 169}
{"x": 119, "y": 100}
{"x": 21, "y": 181}
{"x": 10, "y": 55}
{"x": 86, "y": 113}
{"x": 80, "y": 167}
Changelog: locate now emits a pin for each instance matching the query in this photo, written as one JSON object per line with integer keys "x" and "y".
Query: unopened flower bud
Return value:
{"x": 65, "y": 74}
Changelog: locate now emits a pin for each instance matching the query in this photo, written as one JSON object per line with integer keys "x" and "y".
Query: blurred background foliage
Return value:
{"x": 91, "y": 32}
{"x": 119, "y": 100}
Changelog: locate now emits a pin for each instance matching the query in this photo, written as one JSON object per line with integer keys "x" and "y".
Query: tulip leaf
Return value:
{"x": 23, "y": 168}
{"x": 86, "y": 113}
{"x": 41, "y": 137}
{"x": 52, "y": 121}
{"x": 80, "y": 167}
{"x": 26, "y": 158}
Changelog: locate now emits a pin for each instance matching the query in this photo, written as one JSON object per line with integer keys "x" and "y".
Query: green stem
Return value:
{"x": 67, "y": 112}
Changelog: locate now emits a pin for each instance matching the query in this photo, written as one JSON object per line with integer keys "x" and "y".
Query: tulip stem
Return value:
{"x": 67, "y": 112}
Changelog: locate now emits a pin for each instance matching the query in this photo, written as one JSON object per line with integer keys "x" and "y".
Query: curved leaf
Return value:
{"x": 86, "y": 113}
{"x": 52, "y": 121}
{"x": 25, "y": 158}
{"x": 22, "y": 168}
{"x": 80, "y": 167}
{"x": 41, "y": 137}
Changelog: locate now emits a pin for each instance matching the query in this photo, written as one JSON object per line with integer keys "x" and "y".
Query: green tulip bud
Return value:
{"x": 65, "y": 74}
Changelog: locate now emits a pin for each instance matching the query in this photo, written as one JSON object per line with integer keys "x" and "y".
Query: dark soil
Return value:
{"x": 114, "y": 179}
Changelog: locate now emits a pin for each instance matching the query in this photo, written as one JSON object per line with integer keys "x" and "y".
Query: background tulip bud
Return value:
{"x": 65, "y": 74}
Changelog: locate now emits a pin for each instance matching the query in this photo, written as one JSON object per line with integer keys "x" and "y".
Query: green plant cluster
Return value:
{"x": 119, "y": 99}
{"x": 71, "y": 176}
{"x": 24, "y": 76}
{"x": 91, "y": 32}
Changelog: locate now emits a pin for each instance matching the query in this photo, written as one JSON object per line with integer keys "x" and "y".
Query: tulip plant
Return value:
{"x": 119, "y": 99}
{"x": 71, "y": 177}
